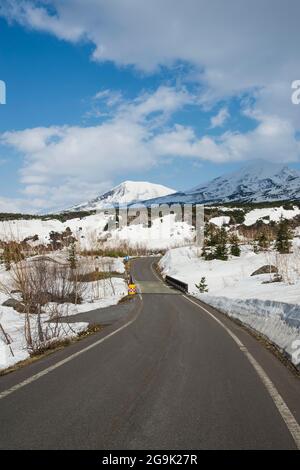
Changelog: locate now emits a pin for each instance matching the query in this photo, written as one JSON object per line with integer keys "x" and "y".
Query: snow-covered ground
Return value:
{"x": 86, "y": 230}
{"x": 99, "y": 294}
{"x": 84, "y": 263}
{"x": 268, "y": 214}
{"x": 272, "y": 309}
{"x": 164, "y": 233}
{"x": 14, "y": 325}
{"x": 220, "y": 221}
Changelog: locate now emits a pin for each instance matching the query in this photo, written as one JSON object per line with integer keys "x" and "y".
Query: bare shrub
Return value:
{"x": 49, "y": 330}
{"x": 283, "y": 263}
{"x": 40, "y": 281}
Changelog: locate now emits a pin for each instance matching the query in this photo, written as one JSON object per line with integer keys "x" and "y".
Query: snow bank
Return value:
{"x": 272, "y": 308}
{"x": 100, "y": 294}
{"x": 220, "y": 221}
{"x": 272, "y": 214}
{"x": 13, "y": 324}
{"x": 164, "y": 233}
{"x": 278, "y": 321}
{"x": 86, "y": 230}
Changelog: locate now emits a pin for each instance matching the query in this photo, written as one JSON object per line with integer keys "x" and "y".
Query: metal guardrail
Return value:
{"x": 177, "y": 284}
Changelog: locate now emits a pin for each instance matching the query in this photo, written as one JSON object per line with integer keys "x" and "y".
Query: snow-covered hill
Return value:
{"x": 258, "y": 182}
{"x": 125, "y": 193}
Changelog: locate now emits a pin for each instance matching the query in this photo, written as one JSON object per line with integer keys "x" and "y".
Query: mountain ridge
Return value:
{"x": 256, "y": 182}
{"x": 127, "y": 192}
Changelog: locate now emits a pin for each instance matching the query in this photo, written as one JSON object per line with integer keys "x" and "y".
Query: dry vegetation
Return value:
{"x": 41, "y": 285}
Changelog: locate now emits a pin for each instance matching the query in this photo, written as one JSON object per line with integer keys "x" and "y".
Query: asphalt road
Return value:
{"x": 168, "y": 377}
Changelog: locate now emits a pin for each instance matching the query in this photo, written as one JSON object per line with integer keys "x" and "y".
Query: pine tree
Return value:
{"x": 208, "y": 238}
{"x": 211, "y": 235}
{"x": 221, "y": 247}
{"x": 284, "y": 236}
{"x": 72, "y": 258}
{"x": 262, "y": 241}
{"x": 202, "y": 286}
{"x": 234, "y": 248}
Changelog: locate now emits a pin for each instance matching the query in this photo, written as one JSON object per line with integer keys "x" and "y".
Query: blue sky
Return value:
{"x": 95, "y": 98}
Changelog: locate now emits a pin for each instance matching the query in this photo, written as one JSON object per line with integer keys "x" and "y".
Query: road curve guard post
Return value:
{"x": 131, "y": 286}
{"x": 131, "y": 289}
{"x": 182, "y": 286}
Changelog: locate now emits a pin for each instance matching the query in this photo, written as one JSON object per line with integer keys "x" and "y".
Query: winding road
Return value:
{"x": 170, "y": 374}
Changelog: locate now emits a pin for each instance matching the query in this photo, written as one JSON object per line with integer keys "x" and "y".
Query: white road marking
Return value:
{"x": 282, "y": 407}
{"x": 37, "y": 376}
{"x": 286, "y": 414}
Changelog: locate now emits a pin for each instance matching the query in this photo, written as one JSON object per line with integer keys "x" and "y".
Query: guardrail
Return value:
{"x": 177, "y": 284}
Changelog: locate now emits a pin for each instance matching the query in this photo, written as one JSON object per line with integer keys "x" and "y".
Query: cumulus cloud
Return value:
{"x": 20, "y": 205}
{"x": 64, "y": 165}
{"x": 273, "y": 139}
{"x": 9, "y": 205}
{"x": 232, "y": 48}
{"x": 35, "y": 15}
{"x": 232, "y": 42}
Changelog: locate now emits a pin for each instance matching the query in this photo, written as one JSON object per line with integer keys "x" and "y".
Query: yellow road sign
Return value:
{"x": 131, "y": 289}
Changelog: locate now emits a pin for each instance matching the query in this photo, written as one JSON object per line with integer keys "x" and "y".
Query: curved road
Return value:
{"x": 168, "y": 376}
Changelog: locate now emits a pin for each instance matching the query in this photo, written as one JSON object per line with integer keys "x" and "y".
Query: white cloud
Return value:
{"x": 219, "y": 119}
{"x": 110, "y": 97}
{"x": 9, "y": 205}
{"x": 273, "y": 139}
{"x": 233, "y": 41}
{"x": 232, "y": 46}
{"x": 68, "y": 164}
{"x": 18, "y": 205}
{"x": 36, "y": 16}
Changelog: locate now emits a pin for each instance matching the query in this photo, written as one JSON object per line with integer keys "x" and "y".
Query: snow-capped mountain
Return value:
{"x": 125, "y": 193}
{"x": 258, "y": 182}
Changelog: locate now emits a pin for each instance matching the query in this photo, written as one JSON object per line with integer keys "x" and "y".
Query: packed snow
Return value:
{"x": 269, "y": 214}
{"x": 220, "y": 221}
{"x": 270, "y": 308}
{"x": 165, "y": 232}
{"x": 86, "y": 229}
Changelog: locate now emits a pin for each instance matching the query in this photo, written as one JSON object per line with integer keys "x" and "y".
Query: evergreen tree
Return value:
{"x": 202, "y": 286}
{"x": 221, "y": 247}
{"x": 72, "y": 258}
{"x": 207, "y": 243}
{"x": 262, "y": 241}
{"x": 211, "y": 235}
{"x": 284, "y": 236}
{"x": 234, "y": 248}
